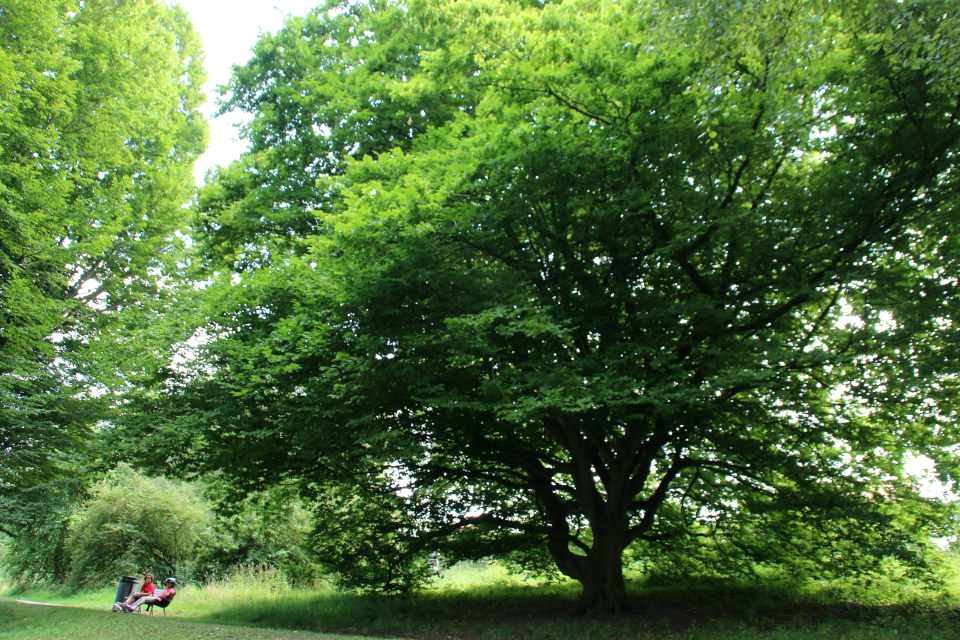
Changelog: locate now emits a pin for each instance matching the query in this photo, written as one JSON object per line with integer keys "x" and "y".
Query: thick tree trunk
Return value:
{"x": 604, "y": 590}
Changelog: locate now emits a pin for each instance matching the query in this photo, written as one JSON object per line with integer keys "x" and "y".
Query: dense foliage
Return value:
{"x": 589, "y": 276}
{"x": 99, "y": 129}
{"x": 38, "y": 553}
{"x": 265, "y": 529}
{"x": 130, "y": 523}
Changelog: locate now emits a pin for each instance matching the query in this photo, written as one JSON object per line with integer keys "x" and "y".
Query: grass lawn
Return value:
{"x": 41, "y": 622}
{"x": 483, "y": 603}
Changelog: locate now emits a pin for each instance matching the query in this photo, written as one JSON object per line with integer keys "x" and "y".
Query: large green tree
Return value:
{"x": 591, "y": 274}
{"x": 99, "y": 128}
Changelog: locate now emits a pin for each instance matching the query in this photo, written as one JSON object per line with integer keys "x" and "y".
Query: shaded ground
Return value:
{"x": 673, "y": 621}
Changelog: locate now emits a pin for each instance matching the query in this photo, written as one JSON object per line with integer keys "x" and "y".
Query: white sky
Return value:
{"x": 229, "y": 30}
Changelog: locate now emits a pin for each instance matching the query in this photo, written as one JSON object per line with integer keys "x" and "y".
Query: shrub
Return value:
{"x": 134, "y": 523}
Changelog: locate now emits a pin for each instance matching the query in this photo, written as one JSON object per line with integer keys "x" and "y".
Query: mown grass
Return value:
{"x": 482, "y": 602}
{"x": 32, "y": 622}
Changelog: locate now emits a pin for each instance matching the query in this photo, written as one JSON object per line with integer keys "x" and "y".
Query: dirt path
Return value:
{"x": 44, "y": 604}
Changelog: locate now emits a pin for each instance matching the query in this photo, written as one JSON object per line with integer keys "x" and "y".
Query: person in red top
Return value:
{"x": 147, "y": 589}
{"x": 161, "y": 598}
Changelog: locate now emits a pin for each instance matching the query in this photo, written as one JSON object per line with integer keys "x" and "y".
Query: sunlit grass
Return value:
{"x": 31, "y": 622}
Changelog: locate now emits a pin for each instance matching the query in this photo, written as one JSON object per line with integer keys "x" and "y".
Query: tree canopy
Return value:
{"x": 585, "y": 276}
{"x": 99, "y": 130}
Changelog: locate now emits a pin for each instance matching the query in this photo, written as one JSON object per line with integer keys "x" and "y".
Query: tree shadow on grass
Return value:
{"x": 710, "y": 610}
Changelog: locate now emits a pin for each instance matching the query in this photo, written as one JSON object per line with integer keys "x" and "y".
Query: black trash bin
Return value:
{"x": 128, "y": 585}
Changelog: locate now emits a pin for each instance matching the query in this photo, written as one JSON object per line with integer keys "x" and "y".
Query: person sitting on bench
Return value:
{"x": 161, "y": 599}
{"x": 148, "y": 589}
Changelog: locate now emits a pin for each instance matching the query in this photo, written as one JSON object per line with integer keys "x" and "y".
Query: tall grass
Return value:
{"x": 261, "y": 597}
{"x": 256, "y": 595}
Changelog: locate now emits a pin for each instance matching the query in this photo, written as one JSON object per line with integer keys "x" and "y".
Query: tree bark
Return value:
{"x": 604, "y": 590}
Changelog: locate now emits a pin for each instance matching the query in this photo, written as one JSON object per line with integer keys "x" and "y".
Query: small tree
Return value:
{"x": 133, "y": 522}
